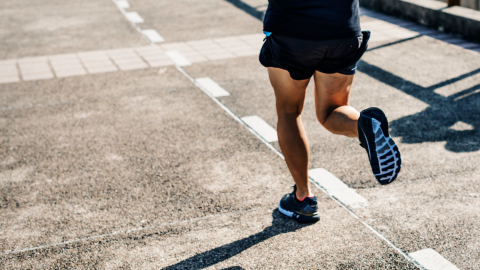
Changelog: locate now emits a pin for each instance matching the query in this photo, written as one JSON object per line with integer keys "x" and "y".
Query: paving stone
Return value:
{"x": 193, "y": 56}
{"x": 67, "y": 72}
{"x": 9, "y": 79}
{"x": 121, "y": 53}
{"x": 37, "y": 76}
{"x": 151, "y": 57}
{"x": 253, "y": 38}
{"x": 127, "y": 60}
{"x": 101, "y": 68}
{"x": 219, "y": 55}
{"x": 161, "y": 62}
{"x": 8, "y": 62}
{"x": 92, "y": 55}
{"x": 32, "y": 60}
{"x": 131, "y": 63}
{"x": 149, "y": 50}
{"x": 37, "y": 71}
{"x": 235, "y": 45}
{"x": 63, "y": 57}
{"x": 8, "y": 72}
{"x": 248, "y": 52}
{"x": 206, "y": 44}
{"x": 177, "y": 46}
{"x": 66, "y": 65}
{"x": 228, "y": 40}
{"x": 97, "y": 62}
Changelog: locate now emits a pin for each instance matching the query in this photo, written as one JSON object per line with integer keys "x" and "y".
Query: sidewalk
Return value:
{"x": 139, "y": 168}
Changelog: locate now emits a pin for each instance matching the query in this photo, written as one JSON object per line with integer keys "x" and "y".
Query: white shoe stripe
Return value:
{"x": 379, "y": 147}
{"x": 283, "y": 211}
{"x": 376, "y": 126}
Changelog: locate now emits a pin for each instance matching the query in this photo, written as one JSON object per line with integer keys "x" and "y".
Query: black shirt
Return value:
{"x": 313, "y": 19}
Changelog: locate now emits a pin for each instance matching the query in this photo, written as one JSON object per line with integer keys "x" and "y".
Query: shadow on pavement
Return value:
{"x": 280, "y": 224}
{"x": 435, "y": 122}
{"x": 252, "y": 11}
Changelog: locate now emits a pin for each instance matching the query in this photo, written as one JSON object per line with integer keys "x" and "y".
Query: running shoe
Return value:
{"x": 382, "y": 151}
{"x": 302, "y": 211}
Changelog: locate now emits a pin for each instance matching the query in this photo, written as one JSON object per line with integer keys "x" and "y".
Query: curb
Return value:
{"x": 435, "y": 14}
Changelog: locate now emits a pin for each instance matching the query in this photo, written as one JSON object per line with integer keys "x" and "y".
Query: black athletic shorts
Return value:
{"x": 301, "y": 58}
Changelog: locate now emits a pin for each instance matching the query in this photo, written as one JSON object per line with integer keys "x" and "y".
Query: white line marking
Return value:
{"x": 336, "y": 188}
{"x": 134, "y": 17}
{"x": 261, "y": 127}
{"x": 178, "y": 58}
{"x": 212, "y": 87}
{"x": 132, "y": 24}
{"x": 153, "y": 35}
{"x": 432, "y": 260}
{"x": 122, "y": 4}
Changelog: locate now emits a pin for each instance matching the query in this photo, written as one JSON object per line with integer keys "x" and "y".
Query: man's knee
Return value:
{"x": 289, "y": 109}
{"x": 322, "y": 115}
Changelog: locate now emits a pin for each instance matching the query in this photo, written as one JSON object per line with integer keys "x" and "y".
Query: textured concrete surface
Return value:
{"x": 141, "y": 170}
{"x": 186, "y": 20}
{"x": 33, "y": 28}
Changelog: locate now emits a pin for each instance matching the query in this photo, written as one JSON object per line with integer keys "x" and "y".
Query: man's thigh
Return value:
{"x": 332, "y": 89}
{"x": 289, "y": 93}
{"x": 331, "y": 92}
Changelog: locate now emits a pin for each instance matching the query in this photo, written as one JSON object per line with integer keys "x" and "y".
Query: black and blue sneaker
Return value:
{"x": 382, "y": 151}
{"x": 302, "y": 211}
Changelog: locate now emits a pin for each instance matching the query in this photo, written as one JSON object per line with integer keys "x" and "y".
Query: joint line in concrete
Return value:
{"x": 120, "y": 232}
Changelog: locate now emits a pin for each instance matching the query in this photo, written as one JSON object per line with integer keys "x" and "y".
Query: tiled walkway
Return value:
{"x": 92, "y": 62}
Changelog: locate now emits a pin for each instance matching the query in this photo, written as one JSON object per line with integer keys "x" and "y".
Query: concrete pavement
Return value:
{"x": 140, "y": 169}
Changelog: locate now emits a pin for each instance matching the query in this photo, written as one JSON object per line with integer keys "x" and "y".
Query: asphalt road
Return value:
{"x": 138, "y": 168}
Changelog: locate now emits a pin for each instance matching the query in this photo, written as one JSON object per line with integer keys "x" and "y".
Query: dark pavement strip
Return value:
{"x": 33, "y": 28}
{"x": 186, "y": 20}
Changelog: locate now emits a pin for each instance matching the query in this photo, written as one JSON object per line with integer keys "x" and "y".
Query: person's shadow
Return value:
{"x": 434, "y": 124}
{"x": 280, "y": 224}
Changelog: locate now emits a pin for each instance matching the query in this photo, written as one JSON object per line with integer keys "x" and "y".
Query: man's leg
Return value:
{"x": 332, "y": 94}
{"x": 290, "y": 98}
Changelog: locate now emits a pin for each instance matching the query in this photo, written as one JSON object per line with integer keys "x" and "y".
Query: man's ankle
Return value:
{"x": 301, "y": 196}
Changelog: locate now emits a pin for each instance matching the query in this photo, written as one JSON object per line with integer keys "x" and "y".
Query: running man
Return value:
{"x": 320, "y": 39}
